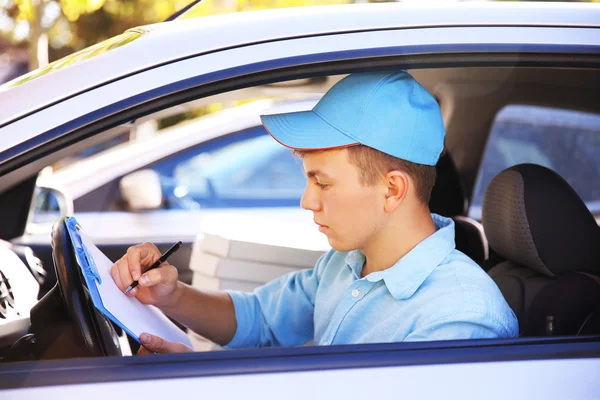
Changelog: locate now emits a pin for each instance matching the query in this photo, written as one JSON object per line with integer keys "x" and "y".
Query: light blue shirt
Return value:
{"x": 434, "y": 292}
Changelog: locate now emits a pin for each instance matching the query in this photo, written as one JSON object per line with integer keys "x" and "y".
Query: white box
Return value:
{"x": 241, "y": 270}
{"x": 258, "y": 252}
{"x": 204, "y": 282}
{"x": 283, "y": 243}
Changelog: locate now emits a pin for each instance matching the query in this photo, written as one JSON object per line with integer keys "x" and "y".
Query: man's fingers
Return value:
{"x": 129, "y": 268}
{"x": 137, "y": 258}
{"x": 124, "y": 275}
{"x": 165, "y": 274}
{"x": 140, "y": 257}
{"x": 134, "y": 266}
{"x": 114, "y": 271}
{"x": 160, "y": 346}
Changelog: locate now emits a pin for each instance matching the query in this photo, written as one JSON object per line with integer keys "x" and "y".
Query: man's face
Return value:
{"x": 349, "y": 213}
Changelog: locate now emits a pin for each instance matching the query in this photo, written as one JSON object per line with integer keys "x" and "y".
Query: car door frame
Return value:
{"x": 575, "y": 358}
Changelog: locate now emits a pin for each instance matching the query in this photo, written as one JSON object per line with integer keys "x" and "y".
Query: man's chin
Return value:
{"x": 338, "y": 246}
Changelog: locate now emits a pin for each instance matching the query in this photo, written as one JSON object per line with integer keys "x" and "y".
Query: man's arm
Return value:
{"x": 208, "y": 313}
{"x": 279, "y": 313}
{"x": 464, "y": 325}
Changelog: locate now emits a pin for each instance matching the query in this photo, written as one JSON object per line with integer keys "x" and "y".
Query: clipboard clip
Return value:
{"x": 81, "y": 251}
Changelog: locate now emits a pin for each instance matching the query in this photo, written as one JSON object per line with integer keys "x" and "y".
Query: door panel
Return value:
{"x": 461, "y": 369}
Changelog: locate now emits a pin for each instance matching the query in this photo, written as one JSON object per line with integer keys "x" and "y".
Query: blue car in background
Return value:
{"x": 250, "y": 170}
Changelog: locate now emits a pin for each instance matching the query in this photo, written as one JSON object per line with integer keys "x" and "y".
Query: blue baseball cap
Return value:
{"x": 388, "y": 111}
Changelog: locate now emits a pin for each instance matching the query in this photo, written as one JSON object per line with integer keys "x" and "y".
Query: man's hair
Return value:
{"x": 373, "y": 164}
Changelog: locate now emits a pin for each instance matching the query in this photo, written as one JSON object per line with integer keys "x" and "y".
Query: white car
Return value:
{"x": 191, "y": 166}
{"x": 477, "y": 59}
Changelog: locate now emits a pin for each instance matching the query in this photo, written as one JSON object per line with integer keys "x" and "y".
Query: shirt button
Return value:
{"x": 355, "y": 293}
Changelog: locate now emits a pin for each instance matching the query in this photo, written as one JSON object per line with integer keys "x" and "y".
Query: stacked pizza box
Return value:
{"x": 245, "y": 253}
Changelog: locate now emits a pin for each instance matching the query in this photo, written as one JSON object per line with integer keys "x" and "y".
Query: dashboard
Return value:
{"x": 21, "y": 273}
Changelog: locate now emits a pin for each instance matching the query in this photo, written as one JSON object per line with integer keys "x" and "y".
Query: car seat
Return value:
{"x": 448, "y": 199}
{"x": 548, "y": 245}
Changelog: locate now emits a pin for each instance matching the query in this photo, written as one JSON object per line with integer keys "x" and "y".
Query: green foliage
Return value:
{"x": 221, "y": 7}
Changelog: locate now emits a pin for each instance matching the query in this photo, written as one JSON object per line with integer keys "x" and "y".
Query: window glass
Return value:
{"x": 565, "y": 141}
{"x": 247, "y": 169}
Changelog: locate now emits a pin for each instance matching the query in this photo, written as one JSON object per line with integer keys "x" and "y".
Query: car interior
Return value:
{"x": 537, "y": 238}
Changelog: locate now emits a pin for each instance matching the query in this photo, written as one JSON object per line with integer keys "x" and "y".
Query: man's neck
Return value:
{"x": 396, "y": 241}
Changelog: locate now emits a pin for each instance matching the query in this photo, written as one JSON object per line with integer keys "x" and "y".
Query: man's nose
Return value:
{"x": 309, "y": 201}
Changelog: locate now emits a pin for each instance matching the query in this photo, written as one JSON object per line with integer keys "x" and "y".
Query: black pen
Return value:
{"x": 157, "y": 263}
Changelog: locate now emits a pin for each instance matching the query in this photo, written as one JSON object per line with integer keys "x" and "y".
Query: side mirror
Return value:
{"x": 141, "y": 190}
{"x": 48, "y": 205}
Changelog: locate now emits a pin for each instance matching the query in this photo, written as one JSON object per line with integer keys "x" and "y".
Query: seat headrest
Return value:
{"x": 533, "y": 217}
{"x": 447, "y": 196}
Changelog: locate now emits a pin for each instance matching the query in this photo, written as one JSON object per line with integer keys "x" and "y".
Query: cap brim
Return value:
{"x": 305, "y": 130}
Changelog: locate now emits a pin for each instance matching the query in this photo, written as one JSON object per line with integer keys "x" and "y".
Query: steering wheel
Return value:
{"x": 93, "y": 332}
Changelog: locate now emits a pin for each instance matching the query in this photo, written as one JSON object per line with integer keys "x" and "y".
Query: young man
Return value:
{"x": 369, "y": 150}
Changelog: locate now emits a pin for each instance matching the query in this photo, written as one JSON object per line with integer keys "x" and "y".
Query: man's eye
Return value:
{"x": 321, "y": 185}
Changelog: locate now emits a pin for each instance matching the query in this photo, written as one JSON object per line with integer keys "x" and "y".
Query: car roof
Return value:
{"x": 137, "y": 50}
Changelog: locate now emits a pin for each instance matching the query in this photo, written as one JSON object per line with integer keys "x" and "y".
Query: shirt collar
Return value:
{"x": 408, "y": 273}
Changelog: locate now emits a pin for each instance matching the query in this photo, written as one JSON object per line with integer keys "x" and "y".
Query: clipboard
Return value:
{"x": 127, "y": 312}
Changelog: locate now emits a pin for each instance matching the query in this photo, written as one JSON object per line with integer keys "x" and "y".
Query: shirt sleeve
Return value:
{"x": 280, "y": 313}
{"x": 463, "y": 325}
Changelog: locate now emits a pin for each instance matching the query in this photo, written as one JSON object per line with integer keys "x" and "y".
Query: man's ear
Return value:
{"x": 397, "y": 183}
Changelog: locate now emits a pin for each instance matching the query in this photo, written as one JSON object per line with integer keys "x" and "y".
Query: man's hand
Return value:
{"x": 157, "y": 287}
{"x": 160, "y": 345}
